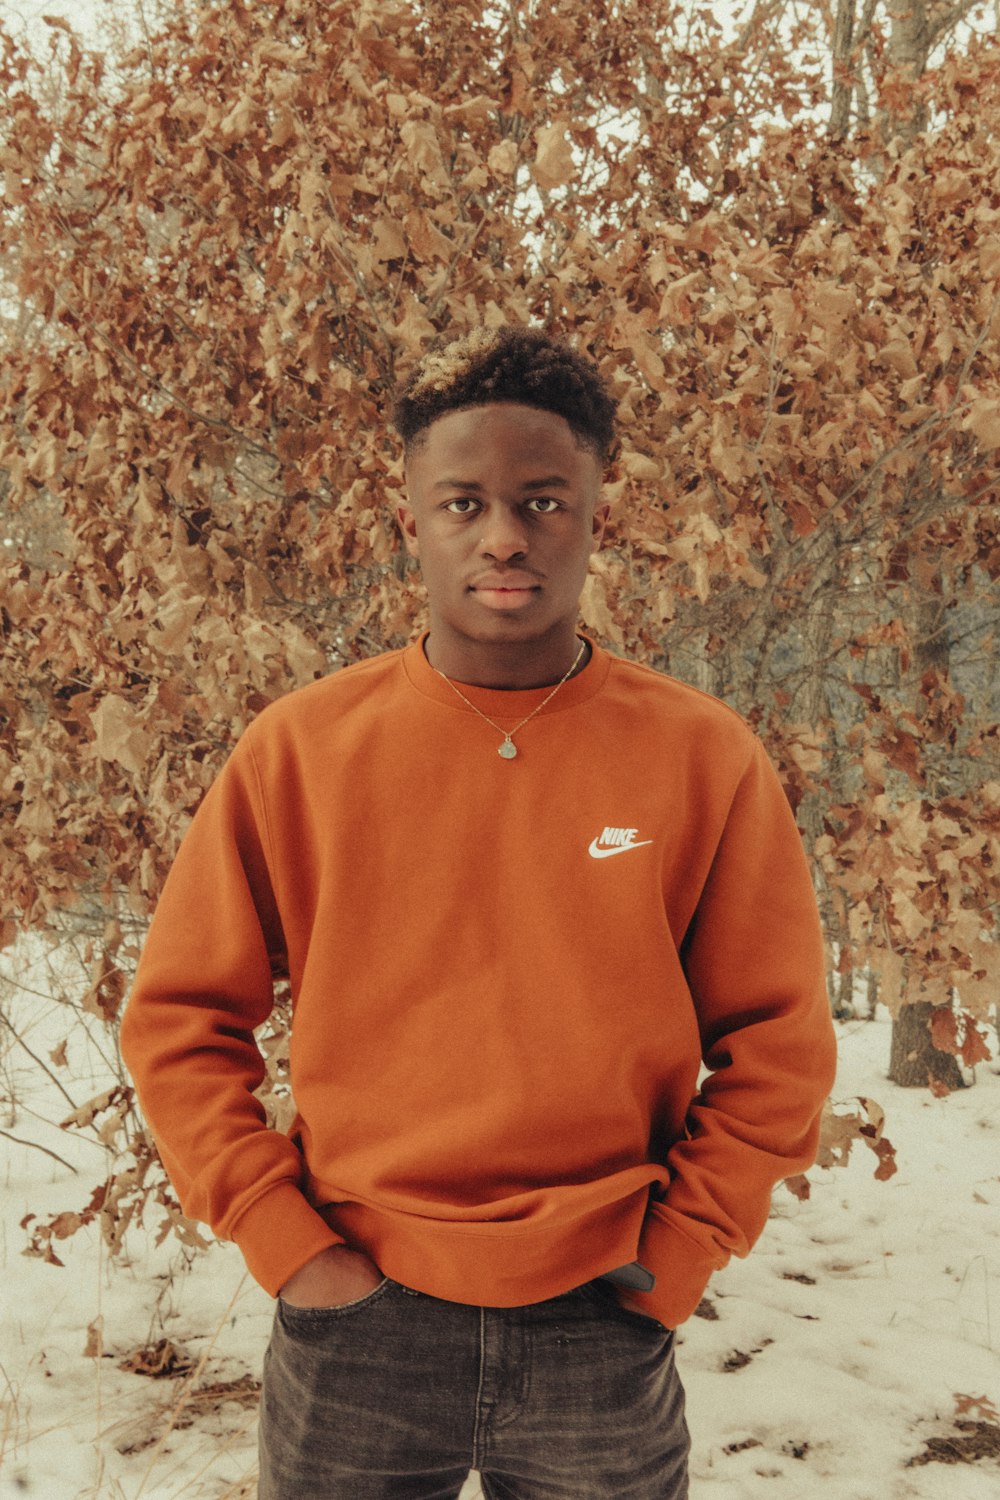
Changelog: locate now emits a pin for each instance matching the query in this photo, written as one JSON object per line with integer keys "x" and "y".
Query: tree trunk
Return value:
{"x": 872, "y": 994}
{"x": 914, "y": 1060}
{"x": 843, "y": 81}
{"x": 845, "y": 993}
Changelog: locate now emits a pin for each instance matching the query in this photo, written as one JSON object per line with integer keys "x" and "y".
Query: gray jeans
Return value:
{"x": 397, "y": 1396}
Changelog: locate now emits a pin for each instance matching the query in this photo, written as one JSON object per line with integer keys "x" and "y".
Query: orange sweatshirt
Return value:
{"x": 506, "y": 974}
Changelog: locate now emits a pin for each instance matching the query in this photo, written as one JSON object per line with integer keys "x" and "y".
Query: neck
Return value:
{"x": 505, "y": 665}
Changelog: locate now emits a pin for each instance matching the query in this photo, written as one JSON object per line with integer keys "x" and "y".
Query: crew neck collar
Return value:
{"x": 505, "y": 703}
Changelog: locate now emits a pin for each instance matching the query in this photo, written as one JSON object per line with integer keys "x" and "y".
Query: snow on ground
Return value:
{"x": 836, "y": 1351}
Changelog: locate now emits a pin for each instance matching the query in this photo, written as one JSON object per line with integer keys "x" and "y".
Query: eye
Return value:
{"x": 464, "y": 505}
{"x": 543, "y": 505}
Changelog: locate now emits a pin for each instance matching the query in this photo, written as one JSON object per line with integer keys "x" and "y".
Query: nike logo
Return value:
{"x": 615, "y": 841}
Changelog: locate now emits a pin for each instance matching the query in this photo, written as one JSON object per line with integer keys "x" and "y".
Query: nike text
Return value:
{"x": 616, "y": 841}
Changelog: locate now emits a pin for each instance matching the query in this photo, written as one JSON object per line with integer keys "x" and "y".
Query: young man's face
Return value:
{"x": 503, "y": 511}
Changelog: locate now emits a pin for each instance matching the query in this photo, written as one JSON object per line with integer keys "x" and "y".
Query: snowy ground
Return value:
{"x": 844, "y": 1343}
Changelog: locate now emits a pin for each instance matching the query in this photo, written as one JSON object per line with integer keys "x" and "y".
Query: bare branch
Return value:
{"x": 34, "y": 1146}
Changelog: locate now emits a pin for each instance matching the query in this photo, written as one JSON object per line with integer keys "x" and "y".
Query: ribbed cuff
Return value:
{"x": 278, "y": 1234}
{"x": 681, "y": 1266}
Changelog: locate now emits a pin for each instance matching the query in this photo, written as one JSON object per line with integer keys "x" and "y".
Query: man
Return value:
{"x": 523, "y": 890}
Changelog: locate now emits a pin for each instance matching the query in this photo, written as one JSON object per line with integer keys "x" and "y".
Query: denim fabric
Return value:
{"x": 398, "y": 1395}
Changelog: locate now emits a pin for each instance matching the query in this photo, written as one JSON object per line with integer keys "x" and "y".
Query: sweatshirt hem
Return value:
{"x": 501, "y": 1265}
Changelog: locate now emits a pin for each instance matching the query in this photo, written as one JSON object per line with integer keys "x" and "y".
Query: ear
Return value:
{"x": 407, "y": 523}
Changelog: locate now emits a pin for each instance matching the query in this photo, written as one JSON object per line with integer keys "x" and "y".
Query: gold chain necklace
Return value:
{"x": 507, "y": 749}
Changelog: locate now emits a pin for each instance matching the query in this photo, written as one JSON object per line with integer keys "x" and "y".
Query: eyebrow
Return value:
{"x": 553, "y": 482}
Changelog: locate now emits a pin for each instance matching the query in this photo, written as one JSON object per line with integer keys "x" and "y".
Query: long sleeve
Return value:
{"x": 753, "y": 957}
{"x": 204, "y": 983}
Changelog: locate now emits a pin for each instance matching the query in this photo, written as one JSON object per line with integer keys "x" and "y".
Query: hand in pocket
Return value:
{"x": 332, "y": 1278}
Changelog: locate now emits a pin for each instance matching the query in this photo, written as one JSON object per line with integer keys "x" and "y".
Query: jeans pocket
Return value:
{"x": 647, "y": 1319}
{"x": 315, "y": 1317}
{"x": 611, "y": 1301}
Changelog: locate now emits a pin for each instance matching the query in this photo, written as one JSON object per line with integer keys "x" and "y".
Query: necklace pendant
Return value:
{"x": 508, "y": 749}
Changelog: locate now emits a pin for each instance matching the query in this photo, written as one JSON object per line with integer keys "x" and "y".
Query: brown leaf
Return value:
{"x": 974, "y": 1049}
{"x": 887, "y": 1162}
{"x": 983, "y": 421}
{"x": 94, "y": 1347}
{"x": 553, "y": 165}
{"x": 107, "y": 990}
{"x": 502, "y": 158}
{"x": 423, "y": 149}
{"x": 944, "y": 1029}
{"x": 162, "y": 1359}
{"x": 65, "y": 1224}
{"x": 119, "y": 736}
{"x": 86, "y": 1113}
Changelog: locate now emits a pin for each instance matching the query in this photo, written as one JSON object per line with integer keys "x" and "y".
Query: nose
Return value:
{"x": 503, "y": 536}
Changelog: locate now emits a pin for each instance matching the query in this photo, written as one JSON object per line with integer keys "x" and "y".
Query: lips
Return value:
{"x": 505, "y": 583}
{"x": 506, "y": 599}
{"x": 505, "y": 591}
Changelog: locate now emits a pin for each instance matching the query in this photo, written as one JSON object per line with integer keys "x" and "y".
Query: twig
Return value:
{"x": 36, "y": 1147}
{"x": 39, "y": 1062}
{"x": 26, "y": 1109}
{"x": 149, "y": 44}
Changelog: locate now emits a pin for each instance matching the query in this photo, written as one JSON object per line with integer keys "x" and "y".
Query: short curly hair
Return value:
{"x": 525, "y": 365}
